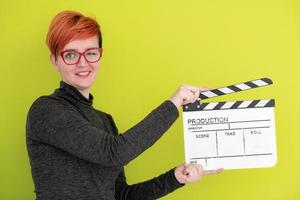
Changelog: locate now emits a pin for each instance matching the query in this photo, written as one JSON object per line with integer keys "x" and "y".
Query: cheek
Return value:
{"x": 64, "y": 67}
{"x": 95, "y": 67}
{"x": 66, "y": 70}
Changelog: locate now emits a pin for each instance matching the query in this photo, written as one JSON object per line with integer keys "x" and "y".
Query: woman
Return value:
{"x": 75, "y": 150}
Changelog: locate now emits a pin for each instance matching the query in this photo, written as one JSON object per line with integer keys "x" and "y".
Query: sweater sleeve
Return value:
{"x": 55, "y": 123}
{"x": 148, "y": 190}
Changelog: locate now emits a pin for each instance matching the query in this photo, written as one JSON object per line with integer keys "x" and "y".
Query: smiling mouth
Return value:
{"x": 83, "y": 74}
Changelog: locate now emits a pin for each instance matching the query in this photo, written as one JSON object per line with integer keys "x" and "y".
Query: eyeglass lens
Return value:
{"x": 72, "y": 56}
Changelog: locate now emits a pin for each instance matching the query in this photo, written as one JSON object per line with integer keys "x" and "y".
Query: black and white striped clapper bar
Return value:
{"x": 232, "y": 134}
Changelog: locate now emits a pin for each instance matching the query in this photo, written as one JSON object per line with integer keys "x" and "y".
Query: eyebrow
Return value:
{"x": 69, "y": 50}
{"x": 78, "y": 50}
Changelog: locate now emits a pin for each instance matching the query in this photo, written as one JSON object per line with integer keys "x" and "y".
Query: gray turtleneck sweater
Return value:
{"x": 76, "y": 151}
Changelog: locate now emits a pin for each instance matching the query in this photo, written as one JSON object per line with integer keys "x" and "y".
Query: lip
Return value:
{"x": 83, "y": 74}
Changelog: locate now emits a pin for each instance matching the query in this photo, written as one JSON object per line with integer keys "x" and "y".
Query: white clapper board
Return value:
{"x": 231, "y": 135}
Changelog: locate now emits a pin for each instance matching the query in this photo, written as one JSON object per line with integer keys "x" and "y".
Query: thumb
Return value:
{"x": 185, "y": 171}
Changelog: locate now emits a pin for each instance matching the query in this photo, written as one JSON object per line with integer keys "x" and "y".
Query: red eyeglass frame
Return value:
{"x": 80, "y": 54}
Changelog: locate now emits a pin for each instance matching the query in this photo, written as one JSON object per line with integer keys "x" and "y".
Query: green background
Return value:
{"x": 150, "y": 48}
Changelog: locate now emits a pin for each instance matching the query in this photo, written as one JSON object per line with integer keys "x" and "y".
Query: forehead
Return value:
{"x": 82, "y": 44}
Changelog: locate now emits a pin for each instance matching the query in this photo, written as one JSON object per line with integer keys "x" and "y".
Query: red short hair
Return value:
{"x": 67, "y": 26}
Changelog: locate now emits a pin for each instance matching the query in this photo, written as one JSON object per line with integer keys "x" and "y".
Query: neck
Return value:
{"x": 85, "y": 93}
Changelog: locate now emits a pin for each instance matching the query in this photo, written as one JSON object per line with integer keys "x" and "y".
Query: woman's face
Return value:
{"x": 80, "y": 75}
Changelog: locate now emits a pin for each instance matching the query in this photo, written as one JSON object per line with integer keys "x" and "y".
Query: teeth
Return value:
{"x": 83, "y": 73}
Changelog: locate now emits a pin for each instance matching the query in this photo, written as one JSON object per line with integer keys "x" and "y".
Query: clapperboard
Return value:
{"x": 233, "y": 134}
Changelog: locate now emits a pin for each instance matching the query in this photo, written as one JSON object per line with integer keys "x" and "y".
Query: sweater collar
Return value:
{"x": 74, "y": 93}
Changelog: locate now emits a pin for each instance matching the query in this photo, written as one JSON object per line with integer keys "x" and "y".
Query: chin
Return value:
{"x": 81, "y": 84}
{"x": 84, "y": 81}
{"x": 84, "y": 84}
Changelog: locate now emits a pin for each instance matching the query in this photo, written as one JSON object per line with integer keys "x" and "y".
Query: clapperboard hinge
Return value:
{"x": 232, "y": 104}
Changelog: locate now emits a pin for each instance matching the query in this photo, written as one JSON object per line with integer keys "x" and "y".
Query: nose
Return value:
{"x": 82, "y": 62}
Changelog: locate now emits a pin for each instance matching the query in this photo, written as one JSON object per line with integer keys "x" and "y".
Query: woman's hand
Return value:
{"x": 189, "y": 173}
{"x": 186, "y": 94}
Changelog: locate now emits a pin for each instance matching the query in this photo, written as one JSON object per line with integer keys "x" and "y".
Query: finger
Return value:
{"x": 186, "y": 171}
{"x": 193, "y": 175}
{"x": 192, "y": 170}
{"x": 191, "y": 87}
{"x": 212, "y": 172}
{"x": 188, "y": 97}
{"x": 209, "y": 172}
{"x": 197, "y": 94}
{"x": 199, "y": 169}
{"x": 189, "y": 174}
{"x": 203, "y": 89}
{"x": 195, "y": 88}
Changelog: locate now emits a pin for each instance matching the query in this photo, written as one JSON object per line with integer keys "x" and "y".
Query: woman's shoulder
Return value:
{"x": 47, "y": 103}
{"x": 101, "y": 112}
{"x": 47, "y": 100}
{"x": 104, "y": 115}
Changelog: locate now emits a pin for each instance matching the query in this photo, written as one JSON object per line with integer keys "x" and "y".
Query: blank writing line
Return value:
{"x": 261, "y": 154}
{"x": 230, "y": 129}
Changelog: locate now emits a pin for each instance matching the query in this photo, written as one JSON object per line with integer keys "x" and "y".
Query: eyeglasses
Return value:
{"x": 72, "y": 57}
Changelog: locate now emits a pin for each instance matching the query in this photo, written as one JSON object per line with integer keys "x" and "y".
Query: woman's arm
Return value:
{"x": 148, "y": 190}
{"x": 54, "y": 122}
{"x": 161, "y": 185}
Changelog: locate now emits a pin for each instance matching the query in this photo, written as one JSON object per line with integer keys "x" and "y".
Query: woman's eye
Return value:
{"x": 70, "y": 55}
{"x": 91, "y": 53}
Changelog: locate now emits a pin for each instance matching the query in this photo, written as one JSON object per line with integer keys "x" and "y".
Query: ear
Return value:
{"x": 53, "y": 60}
